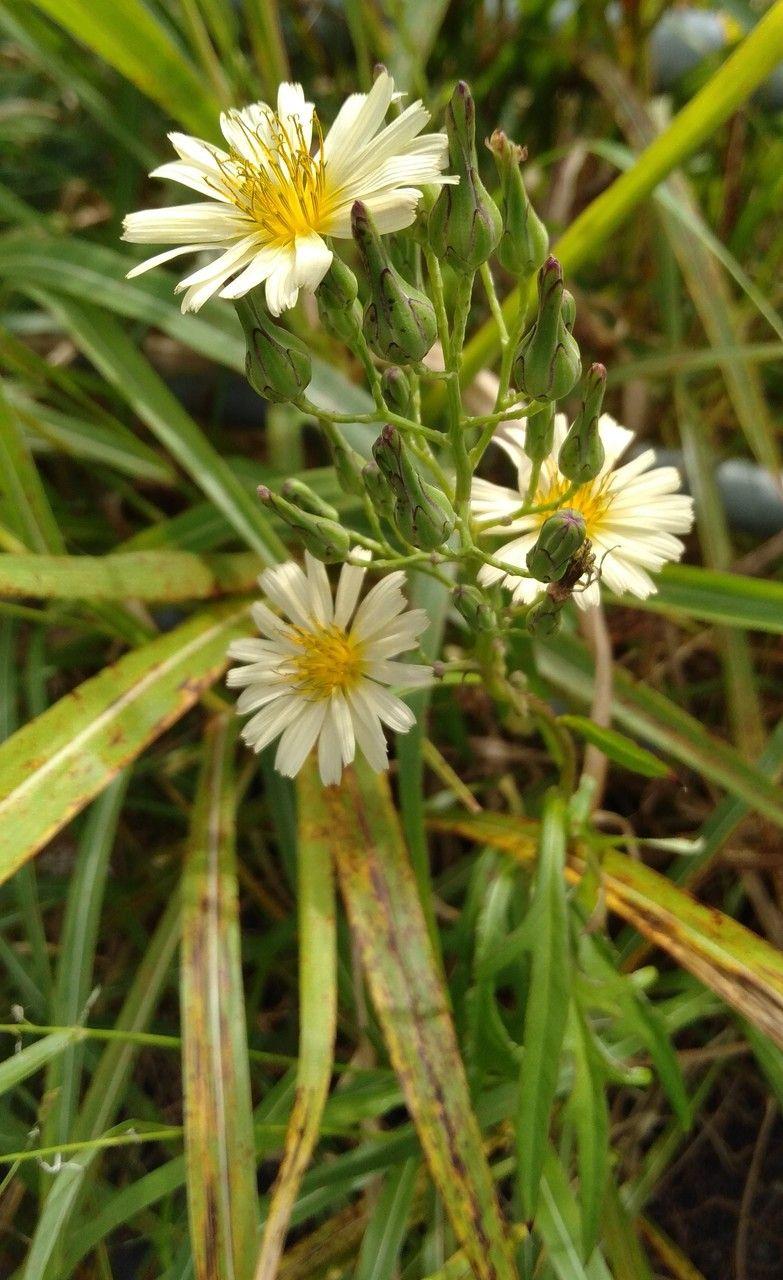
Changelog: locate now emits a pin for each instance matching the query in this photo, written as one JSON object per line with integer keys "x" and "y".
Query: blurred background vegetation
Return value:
{"x": 127, "y": 431}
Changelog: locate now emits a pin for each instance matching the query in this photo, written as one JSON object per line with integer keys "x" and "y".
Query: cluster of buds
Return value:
{"x": 416, "y": 497}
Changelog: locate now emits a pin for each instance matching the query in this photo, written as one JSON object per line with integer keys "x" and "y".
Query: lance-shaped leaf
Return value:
{"x": 52, "y": 767}
{"x": 388, "y": 924}
{"x": 139, "y": 575}
{"x": 743, "y": 969}
{"x": 317, "y": 1011}
{"x": 219, "y": 1147}
{"x": 727, "y": 599}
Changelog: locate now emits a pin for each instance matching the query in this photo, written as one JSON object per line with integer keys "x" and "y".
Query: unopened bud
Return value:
{"x": 524, "y": 244}
{"x": 544, "y": 617}
{"x": 378, "y": 490}
{"x": 547, "y": 363}
{"x": 277, "y": 364}
{"x": 464, "y": 224}
{"x": 302, "y": 496}
{"x": 540, "y": 434}
{"x": 582, "y": 452}
{"x": 559, "y": 539}
{"x": 347, "y": 465}
{"x": 336, "y": 297}
{"x": 322, "y": 537}
{"x": 423, "y": 515}
{"x": 474, "y": 607}
{"x": 569, "y": 310}
{"x": 399, "y": 321}
{"x": 396, "y": 390}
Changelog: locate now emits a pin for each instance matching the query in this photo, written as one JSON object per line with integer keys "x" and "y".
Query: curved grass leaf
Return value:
{"x": 386, "y": 1229}
{"x": 740, "y": 967}
{"x": 218, "y": 1116}
{"x": 139, "y": 575}
{"x": 317, "y": 1012}
{"x": 130, "y": 38}
{"x": 726, "y": 599}
{"x": 388, "y": 924}
{"x": 623, "y": 751}
{"x": 548, "y": 999}
{"x": 52, "y": 767}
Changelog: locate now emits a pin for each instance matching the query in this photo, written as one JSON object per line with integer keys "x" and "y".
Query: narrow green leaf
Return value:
{"x": 388, "y": 924}
{"x": 53, "y": 766}
{"x": 21, "y": 491}
{"x": 727, "y": 599}
{"x": 386, "y": 1229}
{"x": 591, "y": 1120}
{"x": 130, "y": 38}
{"x": 548, "y": 999}
{"x": 20, "y": 1065}
{"x": 559, "y": 1226}
{"x": 219, "y": 1146}
{"x": 109, "y": 348}
{"x": 140, "y": 575}
{"x": 624, "y": 751}
{"x": 317, "y": 1011}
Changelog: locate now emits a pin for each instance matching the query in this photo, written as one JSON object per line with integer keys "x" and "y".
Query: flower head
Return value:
{"x": 322, "y": 675}
{"x": 631, "y": 513}
{"x": 273, "y": 195}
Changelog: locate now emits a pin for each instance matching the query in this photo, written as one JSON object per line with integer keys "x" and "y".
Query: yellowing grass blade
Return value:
{"x": 388, "y": 923}
{"x": 317, "y": 1011}
{"x": 219, "y": 1147}
{"x": 741, "y": 968}
{"x": 52, "y": 767}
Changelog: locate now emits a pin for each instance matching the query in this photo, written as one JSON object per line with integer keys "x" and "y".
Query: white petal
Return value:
{"x": 344, "y": 727}
{"x": 299, "y": 738}
{"x": 166, "y": 256}
{"x": 356, "y": 122}
{"x": 330, "y": 763}
{"x": 286, "y": 586}
{"x": 380, "y": 702}
{"x": 312, "y": 260}
{"x": 260, "y": 695}
{"x": 348, "y": 588}
{"x": 270, "y": 721}
{"x": 408, "y": 675}
{"x": 369, "y": 734}
{"x": 293, "y": 106}
{"x": 320, "y": 591}
{"x": 261, "y": 266}
{"x": 281, "y": 288}
{"x": 207, "y": 223}
{"x": 190, "y": 175}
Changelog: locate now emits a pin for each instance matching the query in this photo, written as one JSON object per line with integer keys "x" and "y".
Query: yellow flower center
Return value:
{"x": 591, "y": 500}
{"x": 284, "y": 192}
{"x": 327, "y": 660}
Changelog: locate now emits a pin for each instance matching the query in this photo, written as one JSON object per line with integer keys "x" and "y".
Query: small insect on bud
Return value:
{"x": 464, "y": 224}
{"x": 524, "y": 244}
{"x": 474, "y": 607}
{"x": 547, "y": 362}
{"x": 422, "y": 514}
{"x": 337, "y": 296}
{"x": 582, "y": 452}
{"x": 396, "y": 390}
{"x": 399, "y": 321}
{"x": 323, "y": 537}
{"x": 378, "y": 490}
{"x": 540, "y": 434}
{"x": 277, "y": 364}
{"x": 544, "y": 617}
{"x": 301, "y": 495}
{"x": 347, "y": 465}
{"x": 559, "y": 538}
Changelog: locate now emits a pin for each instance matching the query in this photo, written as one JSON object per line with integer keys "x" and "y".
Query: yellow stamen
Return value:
{"x": 284, "y": 191}
{"x": 591, "y": 500}
{"x": 328, "y": 660}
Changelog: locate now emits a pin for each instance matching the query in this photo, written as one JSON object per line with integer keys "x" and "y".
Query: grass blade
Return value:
{"x": 726, "y": 599}
{"x": 388, "y": 924}
{"x": 219, "y": 1147}
{"x": 52, "y": 767}
{"x": 386, "y": 1229}
{"x": 546, "y": 1012}
{"x": 141, "y": 575}
{"x": 317, "y": 1012}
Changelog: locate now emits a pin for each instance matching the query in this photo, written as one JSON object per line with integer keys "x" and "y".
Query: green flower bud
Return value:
{"x": 474, "y": 607}
{"x": 322, "y": 537}
{"x": 547, "y": 363}
{"x": 301, "y": 495}
{"x": 399, "y": 321}
{"x": 277, "y": 364}
{"x": 423, "y": 515}
{"x": 377, "y": 490}
{"x": 569, "y": 310}
{"x": 559, "y": 539}
{"x": 544, "y": 617}
{"x": 582, "y": 452}
{"x": 464, "y": 224}
{"x": 524, "y": 244}
{"x": 396, "y": 390}
{"x": 348, "y": 466}
{"x": 540, "y": 434}
{"x": 336, "y": 297}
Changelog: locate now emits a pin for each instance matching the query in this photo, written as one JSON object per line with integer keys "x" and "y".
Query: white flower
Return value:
{"x": 272, "y": 198}
{"x": 322, "y": 676}
{"x": 631, "y": 513}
